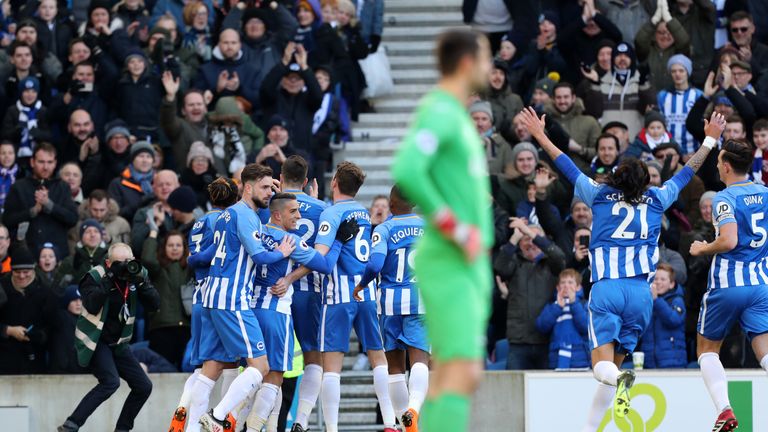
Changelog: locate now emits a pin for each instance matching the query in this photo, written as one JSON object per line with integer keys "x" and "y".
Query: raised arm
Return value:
{"x": 713, "y": 129}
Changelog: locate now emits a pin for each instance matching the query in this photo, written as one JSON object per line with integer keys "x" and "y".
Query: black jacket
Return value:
{"x": 57, "y": 40}
{"x": 298, "y": 109}
{"x": 138, "y": 103}
{"x": 51, "y": 224}
{"x": 100, "y": 169}
{"x": 62, "y": 355}
{"x": 32, "y": 309}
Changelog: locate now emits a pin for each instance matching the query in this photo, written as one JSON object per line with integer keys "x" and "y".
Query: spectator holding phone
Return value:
{"x": 24, "y": 317}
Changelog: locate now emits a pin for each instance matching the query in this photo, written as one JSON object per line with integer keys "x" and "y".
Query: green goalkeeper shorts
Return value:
{"x": 456, "y": 296}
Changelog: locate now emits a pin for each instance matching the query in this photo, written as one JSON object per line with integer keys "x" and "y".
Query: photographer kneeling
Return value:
{"x": 104, "y": 330}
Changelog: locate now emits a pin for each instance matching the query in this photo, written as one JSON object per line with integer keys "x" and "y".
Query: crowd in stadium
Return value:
{"x": 116, "y": 116}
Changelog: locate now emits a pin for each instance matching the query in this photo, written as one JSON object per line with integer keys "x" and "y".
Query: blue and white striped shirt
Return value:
{"x": 310, "y": 209}
{"x": 675, "y": 105}
{"x": 743, "y": 203}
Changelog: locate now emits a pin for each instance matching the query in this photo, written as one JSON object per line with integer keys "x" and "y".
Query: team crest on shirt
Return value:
{"x": 376, "y": 239}
{"x": 324, "y": 229}
{"x": 260, "y": 346}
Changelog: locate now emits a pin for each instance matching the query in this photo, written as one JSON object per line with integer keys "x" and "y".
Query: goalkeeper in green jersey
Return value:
{"x": 442, "y": 169}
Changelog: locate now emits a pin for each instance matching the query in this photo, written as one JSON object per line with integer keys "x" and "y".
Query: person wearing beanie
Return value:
{"x": 621, "y": 95}
{"x": 54, "y": 31}
{"x": 109, "y": 159}
{"x": 47, "y": 263}
{"x": 544, "y": 89}
{"x": 546, "y": 56}
{"x": 279, "y": 146}
{"x": 90, "y": 251}
{"x": 657, "y": 41}
{"x": 24, "y": 317}
{"x": 654, "y": 133}
{"x": 134, "y": 185}
{"x": 138, "y": 95}
{"x": 498, "y": 152}
{"x": 45, "y": 61}
{"x": 26, "y": 121}
{"x": 676, "y": 102}
{"x": 580, "y": 40}
{"x": 199, "y": 172}
{"x": 183, "y": 204}
{"x": 62, "y": 355}
{"x": 505, "y": 104}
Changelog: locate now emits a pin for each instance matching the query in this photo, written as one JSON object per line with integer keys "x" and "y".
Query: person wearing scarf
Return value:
{"x": 26, "y": 118}
{"x": 197, "y": 38}
{"x": 134, "y": 186}
{"x": 9, "y": 169}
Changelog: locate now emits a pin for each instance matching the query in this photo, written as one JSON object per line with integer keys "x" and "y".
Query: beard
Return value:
{"x": 259, "y": 203}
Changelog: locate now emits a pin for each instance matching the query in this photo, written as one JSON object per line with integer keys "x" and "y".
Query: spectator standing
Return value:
{"x": 104, "y": 210}
{"x": 165, "y": 182}
{"x": 84, "y": 91}
{"x": 627, "y": 15}
{"x": 566, "y": 321}
{"x": 291, "y": 90}
{"x": 134, "y": 188}
{"x": 742, "y": 32}
{"x": 103, "y": 34}
{"x": 504, "y": 102}
{"x": 544, "y": 54}
{"x": 676, "y": 102}
{"x": 664, "y": 341}
{"x": 54, "y": 30}
{"x": 529, "y": 265}
{"x": 669, "y": 155}
{"x": 175, "y": 8}
{"x": 71, "y": 174}
{"x": 498, "y": 152}
{"x": 21, "y": 66}
{"x": 47, "y": 264}
{"x": 169, "y": 328}
{"x": 229, "y": 73}
{"x": 199, "y": 172}
{"x": 371, "y": 16}
{"x": 583, "y": 129}
{"x": 279, "y": 146}
{"x": 191, "y": 126}
{"x": 26, "y": 122}
{"x": 90, "y": 251}
{"x": 108, "y": 160}
{"x": 495, "y": 17}
{"x": 46, "y": 62}
{"x": 657, "y": 41}
{"x": 62, "y": 355}
{"x": 232, "y": 135}
{"x": 620, "y": 131}
{"x": 81, "y": 140}
{"x": 197, "y": 37}
{"x": 137, "y": 98}
{"x": 607, "y": 156}
{"x": 43, "y": 202}
{"x": 9, "y": 169}
{"x": 653, "y": 133}
{"x": 698, "y": 18}
{"x": 111, "y": 300}
{"x": 5, "y": 257}
{"x": 581, "y": 39}
{"x": 24, "y": 318}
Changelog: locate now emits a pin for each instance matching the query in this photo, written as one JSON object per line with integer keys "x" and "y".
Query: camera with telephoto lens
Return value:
{"x": 130, "y": 271}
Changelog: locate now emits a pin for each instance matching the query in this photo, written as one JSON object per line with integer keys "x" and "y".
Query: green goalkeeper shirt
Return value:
{"x": 441, "y": 163}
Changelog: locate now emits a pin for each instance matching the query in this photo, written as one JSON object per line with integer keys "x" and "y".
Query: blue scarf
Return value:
{"x": 190, "y": 41}
{"x": 143, "y": 179}
{"x": 27, "y": 121}
{"x": 7, "y": 179}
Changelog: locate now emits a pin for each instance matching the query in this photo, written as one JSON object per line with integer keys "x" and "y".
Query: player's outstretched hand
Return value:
{"x": 697, "y": 248}
{"x": 465, "y": 236}
{"x": 356, "y": 293}
{"x": 715, "y": 126}
{"x": 287, "y": 246}
{"x": 347, "y": 230}
{"x": 532, "y": 122}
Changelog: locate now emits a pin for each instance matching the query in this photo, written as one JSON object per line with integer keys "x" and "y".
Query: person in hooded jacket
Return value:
{"x": 62, "y": 355}
{"x": 623, "y": 96}
{"x": 504, "y": 102}
{"x": 231, "y": 135}
{"x": 512, "y": 52}
{"x": 199, "y": 172}
{"x": 566, "y": 321}
{"x": 138, "y": 96}
{"x": 664, "y": 341}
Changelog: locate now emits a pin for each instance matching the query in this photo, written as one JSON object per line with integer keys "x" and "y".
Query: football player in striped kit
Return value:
{"x": 232, "y": 329}
{"x": 392, "y": 252}
{"x": 340, "y": 310}
{"x": 624, "y": 253}
{"x": 738, "y": 283}
{"x": 272, "y": 305}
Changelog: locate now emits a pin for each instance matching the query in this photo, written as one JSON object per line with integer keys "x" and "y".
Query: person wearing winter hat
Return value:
{"x": 90, "y": 251}
{"x": 676, "y": 102}
{"x": 546, "y": 56}
{"x": 199, "y": 171}
{"x": 504, "y": 102}
{"x": 653, "y": 134}
{"x": 24, "y": 317}
{"x": 134, "y": 185}
{"x": 498, "y": 152}
{"x": 183, "y": 202}
{"x": 62, "y": 355}
{"x": 138, "y": 95}
{"x": 544, "y": 89}
{"x": 624, "y": 96}
{"x": 279, "y": 146}
{"x": 526, "y": 156}
{"x": 26, "y": 121}
{"x": 102, "y": 163}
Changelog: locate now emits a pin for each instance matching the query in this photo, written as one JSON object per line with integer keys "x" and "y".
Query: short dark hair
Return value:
{"x": 223, "y": 192}
{"x": 454, "y": 45}
{"x": 349, "y": 178}
{"x": 98, "y": 195}
{"x": 278, "y": 200}
{"x": 564, "y": 84}
{"x": 192, "y": 91}
{"x": 611, "y": 137}
{"x": 255, "y": 172}
{"x": 20, "y": 44}
{"x": 733, "y": 118}
{"x": 760, "y": 124}
{"x": 741, "y": 15}
{"x": 738, "y": 154}
{"x": 295, "y": 170}
{"x": 86, "y": 63}
{"x": 44, "y": 147}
